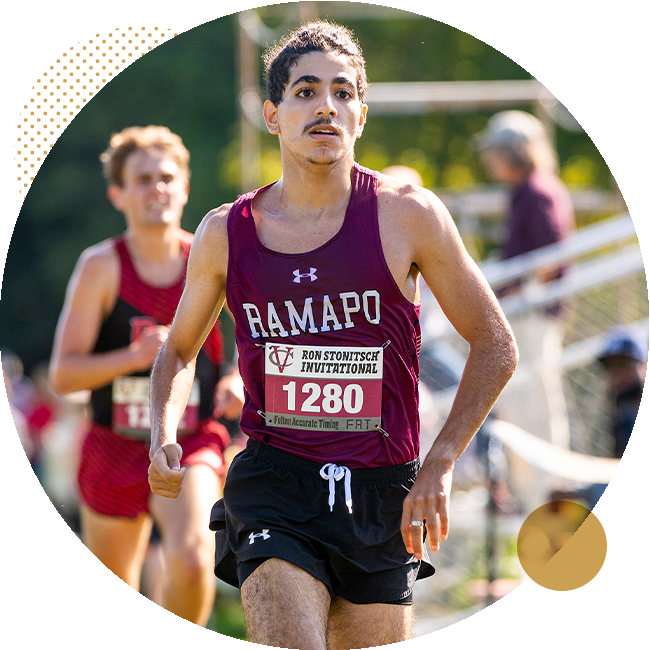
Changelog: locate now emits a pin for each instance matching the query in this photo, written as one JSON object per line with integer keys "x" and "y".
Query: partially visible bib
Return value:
{"x": 131, "y": 415}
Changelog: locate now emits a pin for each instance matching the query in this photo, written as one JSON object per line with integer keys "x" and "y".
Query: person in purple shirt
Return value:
{"x": 516, "y": 150}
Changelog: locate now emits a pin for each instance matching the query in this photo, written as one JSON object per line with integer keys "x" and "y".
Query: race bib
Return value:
{"x": 131, "y": 415}
{"x": 323, "y": 388}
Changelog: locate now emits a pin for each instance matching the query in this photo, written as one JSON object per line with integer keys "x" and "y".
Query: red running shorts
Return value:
{"x": 112, "y": 475}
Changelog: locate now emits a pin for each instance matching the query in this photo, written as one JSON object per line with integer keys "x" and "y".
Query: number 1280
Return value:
{"x": 331, "y": 398}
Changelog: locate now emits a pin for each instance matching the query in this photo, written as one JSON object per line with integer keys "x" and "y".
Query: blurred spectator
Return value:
{"x": 404, "y": 173}
{"x": 624, "y": 359}
{"x": 18, "y": 503}
{"x": 21, "y": 386}
{"x": 62, "y": 443}
{"x": 517, "y": 151}
{"x": 8, "y": 533}
{"x": 50, "y": 429}
{"x": 13, "y": 423}
{"x": 42, "y": 412}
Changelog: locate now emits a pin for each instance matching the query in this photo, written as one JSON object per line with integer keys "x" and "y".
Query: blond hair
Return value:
{"x": 136, "y": 138}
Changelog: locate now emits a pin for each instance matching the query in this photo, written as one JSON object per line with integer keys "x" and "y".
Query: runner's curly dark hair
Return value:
{"x": 320, "y": 36}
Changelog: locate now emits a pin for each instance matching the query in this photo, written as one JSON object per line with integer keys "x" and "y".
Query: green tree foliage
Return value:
{"x": 189, "y": 84}
{"x": 439, "y": 145}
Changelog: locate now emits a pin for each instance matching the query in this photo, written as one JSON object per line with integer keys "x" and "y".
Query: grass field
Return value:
{"x": 41, "y": 606}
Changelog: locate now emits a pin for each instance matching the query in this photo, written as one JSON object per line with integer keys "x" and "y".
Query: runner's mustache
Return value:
{"x": 321, "y": 121}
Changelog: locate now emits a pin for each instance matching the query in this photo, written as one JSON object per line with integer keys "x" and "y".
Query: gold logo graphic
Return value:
{"x": 63, "y": 88}
{"x": 563, "y": 547}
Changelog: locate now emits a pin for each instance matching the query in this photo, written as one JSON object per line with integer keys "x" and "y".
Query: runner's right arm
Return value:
{"x": 173, "y": 371}
{"x": 90, "y": 297}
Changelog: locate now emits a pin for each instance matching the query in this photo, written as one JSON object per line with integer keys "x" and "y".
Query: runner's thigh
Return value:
{"x": 285, "y": 606}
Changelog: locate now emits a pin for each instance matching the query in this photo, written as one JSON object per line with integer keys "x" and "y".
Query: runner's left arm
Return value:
{"x": 470, "y": 305}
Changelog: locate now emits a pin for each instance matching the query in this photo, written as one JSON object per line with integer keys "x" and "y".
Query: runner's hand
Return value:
{"x": 165, "y": 471}
{"x": 428, "y": 502}
{"x": 147, "y": 346}
{"x": 229, "y": 397}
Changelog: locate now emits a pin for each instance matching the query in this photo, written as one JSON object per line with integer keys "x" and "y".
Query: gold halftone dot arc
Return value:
{"x": 64, "y": 87}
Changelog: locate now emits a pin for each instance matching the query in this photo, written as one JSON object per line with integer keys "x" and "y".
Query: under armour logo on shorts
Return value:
{"x": 264, "y": 535}
{"x": 298, "y": 275}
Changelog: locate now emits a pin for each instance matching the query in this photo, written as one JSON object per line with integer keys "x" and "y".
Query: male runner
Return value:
{"x": 118, "y": 308}
{"x": 321, "y": 523}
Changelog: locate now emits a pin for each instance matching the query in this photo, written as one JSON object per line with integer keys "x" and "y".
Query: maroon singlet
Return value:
{"x": 327, "y": 342}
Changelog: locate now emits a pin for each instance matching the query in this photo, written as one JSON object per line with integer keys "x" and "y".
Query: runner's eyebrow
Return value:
{"x": 312, "y": 79}
{"x": 342, "y": 81}
{"x": 306, "y": 78}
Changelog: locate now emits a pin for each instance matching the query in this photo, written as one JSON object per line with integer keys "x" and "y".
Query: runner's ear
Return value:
{"x": 114, "y": 194}
{"x": 271, "y": 117}
{"x": 362, "y": 120}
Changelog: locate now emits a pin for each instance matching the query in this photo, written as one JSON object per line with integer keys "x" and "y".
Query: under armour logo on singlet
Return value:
{"x": 298, "y": 275}
{"x": 264, "y": 535}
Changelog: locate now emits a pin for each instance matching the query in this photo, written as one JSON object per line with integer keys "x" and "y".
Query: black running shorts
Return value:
{"x": 277, "y": 505}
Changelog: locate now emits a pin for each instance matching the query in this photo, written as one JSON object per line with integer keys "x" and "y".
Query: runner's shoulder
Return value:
{"x": 212, "y": 234}
{"x": 215, "y": 222}
{"x": 97, "y": 273}
{"x": 410, "y": 206}
{"x": 99, "y": 259}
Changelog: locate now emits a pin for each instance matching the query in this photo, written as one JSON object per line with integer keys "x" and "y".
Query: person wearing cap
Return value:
{"x": 516, "y": 151}
{"x": 624, "y": 359}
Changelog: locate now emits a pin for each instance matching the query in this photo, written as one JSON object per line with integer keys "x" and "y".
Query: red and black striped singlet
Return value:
{"x": 139, "y": 303}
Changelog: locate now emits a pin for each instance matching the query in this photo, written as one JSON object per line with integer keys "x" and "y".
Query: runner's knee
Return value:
{"x": 190, "y": 564}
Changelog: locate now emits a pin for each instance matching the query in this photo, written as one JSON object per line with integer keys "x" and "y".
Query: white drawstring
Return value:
{"x": 331, "y": 472}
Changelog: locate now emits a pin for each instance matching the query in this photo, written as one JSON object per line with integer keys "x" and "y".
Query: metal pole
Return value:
{"x": 620, "y": 124}
{"x": 490, "y": 530}
{"x": 249, "y": 70}
{"x": 543, "y": 68}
